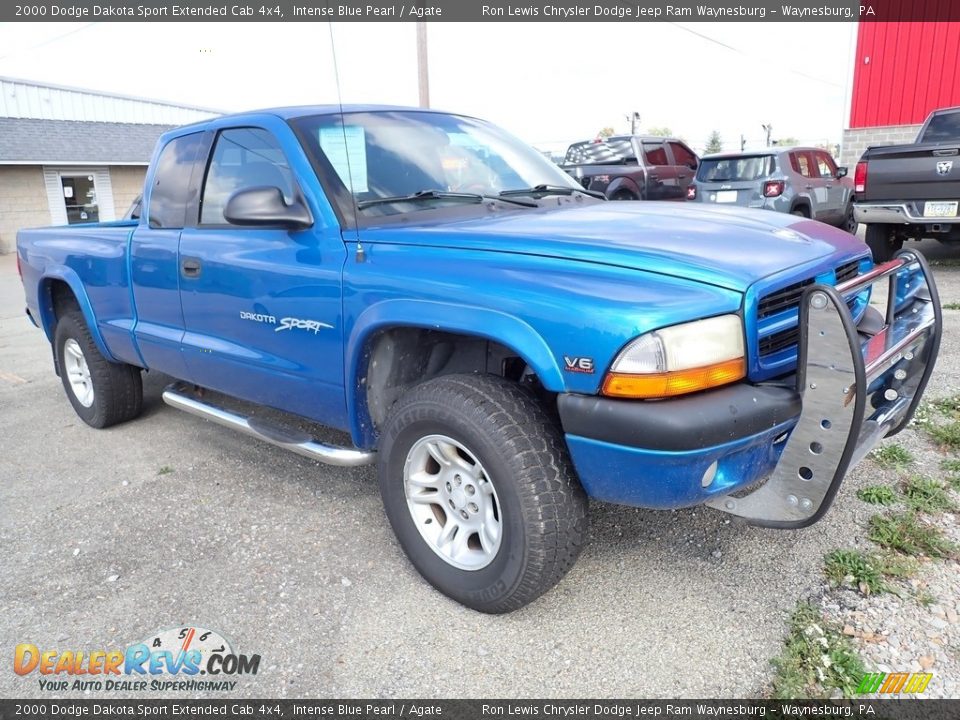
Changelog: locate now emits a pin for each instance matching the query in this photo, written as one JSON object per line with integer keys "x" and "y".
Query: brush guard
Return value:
{"x": 859, "y": 385}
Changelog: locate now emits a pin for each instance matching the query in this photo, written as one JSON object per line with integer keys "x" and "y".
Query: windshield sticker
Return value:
{"x": 346, "y": 149}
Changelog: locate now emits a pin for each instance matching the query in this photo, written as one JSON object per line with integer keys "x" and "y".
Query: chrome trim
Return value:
{"x": 896, "y": 214}
{"x": 179, "y": 396}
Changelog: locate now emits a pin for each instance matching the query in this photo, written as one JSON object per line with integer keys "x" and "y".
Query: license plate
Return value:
{"x": 940, "y": 209}
{"x": 731, "y": 196}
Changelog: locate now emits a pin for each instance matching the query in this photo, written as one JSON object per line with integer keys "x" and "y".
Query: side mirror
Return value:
{"x": 841, "y": 171}
{"x": 264, "y": 207}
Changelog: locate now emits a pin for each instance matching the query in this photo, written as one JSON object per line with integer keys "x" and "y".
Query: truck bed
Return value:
{"x": 909, "y": 172}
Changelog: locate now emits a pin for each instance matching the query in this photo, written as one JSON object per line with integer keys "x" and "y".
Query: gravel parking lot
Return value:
{"x": 170, "y": 520}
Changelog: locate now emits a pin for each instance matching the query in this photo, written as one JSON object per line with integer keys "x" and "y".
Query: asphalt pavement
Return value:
{"x": 170, "y": 521}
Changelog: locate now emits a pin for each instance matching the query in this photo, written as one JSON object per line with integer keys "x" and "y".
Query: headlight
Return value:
{"x": 679, "y": 359}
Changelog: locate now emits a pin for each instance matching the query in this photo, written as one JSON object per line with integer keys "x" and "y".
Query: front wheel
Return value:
{"x": 478, "y": 487}
{"x": 883, "y": 242}
{"x": 102, "y": 393}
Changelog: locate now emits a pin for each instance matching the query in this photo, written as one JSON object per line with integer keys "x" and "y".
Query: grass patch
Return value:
{"x": 946, "y": 436}
{"x": 905, "y": 533}
{"x": 815, "y": 659}
{"x": 165, "y": 470}
{"x": 856, "y": 568}
{"x": 950, "y": 465}
{"x": 891, "y": 456}
{"x": 866, "y": 572}
{"x": 948, "y": 406}
{"x": 927, "y": 495}
{"x": 951, "y": 306}
{"x": 877, "y": 495}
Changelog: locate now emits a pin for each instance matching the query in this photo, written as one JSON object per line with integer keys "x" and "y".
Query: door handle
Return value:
{"x": 809, "y": 187}
{"x": 190, "y": 267}
{"x": 682, "y": 177}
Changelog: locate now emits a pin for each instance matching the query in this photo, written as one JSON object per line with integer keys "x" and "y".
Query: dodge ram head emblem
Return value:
{"x": 944, "y": 167}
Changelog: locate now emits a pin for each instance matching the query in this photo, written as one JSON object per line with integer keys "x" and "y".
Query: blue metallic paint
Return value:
{"x": 575, "y": 278}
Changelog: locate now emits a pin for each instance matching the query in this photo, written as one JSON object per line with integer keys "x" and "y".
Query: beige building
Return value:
{"x": 71, "y": 156}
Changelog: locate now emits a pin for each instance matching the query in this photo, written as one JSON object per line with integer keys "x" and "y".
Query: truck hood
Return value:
{"x": 727, "y": 247}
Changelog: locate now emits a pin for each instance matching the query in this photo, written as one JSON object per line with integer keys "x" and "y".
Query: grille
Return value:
{"x": 789, "y": 298}
{"x": 782, "y": 299}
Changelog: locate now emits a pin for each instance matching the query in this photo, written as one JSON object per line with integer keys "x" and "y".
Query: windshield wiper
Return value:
{"x": 551, "y": 190}
{"x": 440, "y": 195}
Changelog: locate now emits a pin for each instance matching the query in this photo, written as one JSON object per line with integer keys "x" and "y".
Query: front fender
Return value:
{"x": 45, "y": 301}
{"x": 448, "y": 317}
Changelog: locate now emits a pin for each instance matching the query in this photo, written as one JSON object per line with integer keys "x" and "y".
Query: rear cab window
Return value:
{"x": 943, "y": 128}
{"x": 170, "y": 189}
{"x": 612, "y": 151}
{"x": 741, "y": 168}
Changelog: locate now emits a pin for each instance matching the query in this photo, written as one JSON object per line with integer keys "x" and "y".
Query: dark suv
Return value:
{"x": 633, "y": 167}
{"x": 799, "y": 180}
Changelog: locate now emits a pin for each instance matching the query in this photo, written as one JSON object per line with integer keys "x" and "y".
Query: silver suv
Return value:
{"x": 803, "y": 181}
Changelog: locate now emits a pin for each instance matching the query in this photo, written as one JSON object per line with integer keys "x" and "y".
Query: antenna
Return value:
{"x": 361, "y": 255}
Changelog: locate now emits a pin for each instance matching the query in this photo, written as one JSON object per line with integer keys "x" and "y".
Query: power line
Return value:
{"x": 746, "y": 54}
{"x": 49, "y": 41}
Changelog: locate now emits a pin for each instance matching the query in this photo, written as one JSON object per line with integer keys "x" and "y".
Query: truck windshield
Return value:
{"x": 612, "y": 151}
{"x": 749, "y": 167}
{"x": 943, "y": 128}
{"x": 434, "y": 157}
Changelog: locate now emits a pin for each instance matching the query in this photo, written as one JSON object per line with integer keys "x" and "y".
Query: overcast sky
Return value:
{"x": 549, "y": 83}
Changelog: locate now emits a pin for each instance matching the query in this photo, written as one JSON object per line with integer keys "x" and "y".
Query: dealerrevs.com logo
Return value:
{"x": 186, "y": 659}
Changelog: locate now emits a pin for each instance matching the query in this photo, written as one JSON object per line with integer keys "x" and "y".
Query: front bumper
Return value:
{"x": 773, "y": 455}
{"x": 897, "y": 214}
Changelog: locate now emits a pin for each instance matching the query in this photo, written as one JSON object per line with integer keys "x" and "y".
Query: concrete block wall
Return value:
{"x": 127, "y": 182}
{"x": 856, "y": 140}
{"x": 23, "y": 202}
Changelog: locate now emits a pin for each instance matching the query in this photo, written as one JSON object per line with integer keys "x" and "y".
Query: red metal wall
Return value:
{"x": 904, "y": 70}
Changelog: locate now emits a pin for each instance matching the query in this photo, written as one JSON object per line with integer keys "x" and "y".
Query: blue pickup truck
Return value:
{"x": 501, "y": 343}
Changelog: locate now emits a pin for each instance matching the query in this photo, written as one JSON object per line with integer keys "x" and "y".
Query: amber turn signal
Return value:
{"x": 670, "y": 384}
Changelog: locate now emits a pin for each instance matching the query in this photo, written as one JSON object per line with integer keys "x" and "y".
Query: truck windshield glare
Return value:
{"x": 382, "y": 155}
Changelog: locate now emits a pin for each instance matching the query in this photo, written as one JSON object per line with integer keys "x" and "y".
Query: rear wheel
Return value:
{"x": 102, "y": 393}
{"x": 800, "y": 212}
{"x": 883, "y": 242}
{"x": 623, "y": 195}
{"x": 478, "y": 487}
{"x": 850, "y": 221}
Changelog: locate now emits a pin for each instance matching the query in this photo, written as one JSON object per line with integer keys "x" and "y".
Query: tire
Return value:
{"x": 624, "y": 195}
{"x": 521, "y": 483}
{"x": 849, "y": 223}
{"x": 102, "y": 393}
{"x": 883, "y": 242}
{"x": 800, "y": 212}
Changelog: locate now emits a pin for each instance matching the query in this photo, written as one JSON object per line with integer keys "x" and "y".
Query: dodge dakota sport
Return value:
{"x": 912, "y": 191}
{"x": 500, "y": 343}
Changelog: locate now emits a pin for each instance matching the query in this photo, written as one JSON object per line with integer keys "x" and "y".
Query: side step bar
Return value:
{"x": 182, "y": 397}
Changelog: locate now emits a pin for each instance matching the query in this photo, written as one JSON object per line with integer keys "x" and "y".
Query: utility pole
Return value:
{"x": 423, "y": 73}
{"x": 769, "y": 130}
{"x": 743, "y": 142}
{"x": 634, "y": 118}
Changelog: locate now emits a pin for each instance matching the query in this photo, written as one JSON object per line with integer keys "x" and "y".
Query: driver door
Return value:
{"x": 262, "y": 305}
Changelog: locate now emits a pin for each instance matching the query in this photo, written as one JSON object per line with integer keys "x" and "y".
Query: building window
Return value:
{"x": 79, "y": 195}
{"x": 80, "y": 198}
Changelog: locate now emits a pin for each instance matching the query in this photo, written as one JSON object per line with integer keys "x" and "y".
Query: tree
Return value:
{"x": 606, "y": 132}
{"x": 786, "y": 142}
{"x": 660, "y": 131}
{"x": 714, "y": 143}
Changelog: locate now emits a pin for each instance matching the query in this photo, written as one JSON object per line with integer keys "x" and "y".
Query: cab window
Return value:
{"x": 655, "y": 154}
{"x": 170, "y": 189}
{"x": 243, "y": 158}
{"x": 826, "y": 166}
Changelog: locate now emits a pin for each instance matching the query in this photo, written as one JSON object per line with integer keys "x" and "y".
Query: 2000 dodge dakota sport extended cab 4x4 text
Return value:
{"x": 499, "y": 342}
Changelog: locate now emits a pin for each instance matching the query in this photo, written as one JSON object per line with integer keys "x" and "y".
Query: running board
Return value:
{"x": 183, "y": 398}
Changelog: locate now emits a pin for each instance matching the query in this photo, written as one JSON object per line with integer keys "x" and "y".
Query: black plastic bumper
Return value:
{"x": 687, "y": 423}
